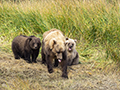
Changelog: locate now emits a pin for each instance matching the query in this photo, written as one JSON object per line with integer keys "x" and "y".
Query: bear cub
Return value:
{"x": 72, "y": 54}
{"x": 26, "y": 46}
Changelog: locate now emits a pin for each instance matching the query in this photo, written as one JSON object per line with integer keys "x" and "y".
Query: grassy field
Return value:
{"x": 94, "y": 23}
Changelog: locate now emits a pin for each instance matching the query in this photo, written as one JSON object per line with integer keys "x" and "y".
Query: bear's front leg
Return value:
{"x": 56, "y": 63}
{"x": 69, "y": 62}
{"x": 27, "y": 57}
{"x": 34, "y": 56}
{"x": 43, "y": 57}
{"x": 49, "y": 63}
{"x": 64, "y": 64}
{"x": 64, "y": 68}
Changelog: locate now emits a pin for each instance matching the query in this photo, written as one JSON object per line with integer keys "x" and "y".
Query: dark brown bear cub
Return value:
{"x": 26, "y": 46}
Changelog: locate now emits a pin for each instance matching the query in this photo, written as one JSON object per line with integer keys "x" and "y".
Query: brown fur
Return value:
{"x": 46, "y": 33}
{"x": 53, "y": 48}
{"x": 24, "y": 46}
{"x": 72, "y": 54}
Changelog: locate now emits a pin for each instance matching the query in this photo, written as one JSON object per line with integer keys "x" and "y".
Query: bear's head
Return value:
{"x": 57, "y": 47}
{"x": 70, "y": 44}
{"x": 34, "y": 42}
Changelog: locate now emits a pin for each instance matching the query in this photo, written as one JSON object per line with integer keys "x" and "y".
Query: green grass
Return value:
{"x": 95, "y": 22}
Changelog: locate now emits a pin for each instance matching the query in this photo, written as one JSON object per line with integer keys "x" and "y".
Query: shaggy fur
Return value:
{"x": 53, "y": 48}
{"x": 24, "y": 47}
{"x": 72, "y": 54}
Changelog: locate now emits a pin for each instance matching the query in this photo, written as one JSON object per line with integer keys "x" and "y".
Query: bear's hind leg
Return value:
{"x": 69, "y": 61}
{"x": 15, "y": 50}
{"x": 76, "y": 60}
{"x": 16, "y": 55}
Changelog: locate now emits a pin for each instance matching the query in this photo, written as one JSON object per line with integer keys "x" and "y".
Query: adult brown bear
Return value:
{"x": 53, "y": 48}
{"x": 26, "y": 46}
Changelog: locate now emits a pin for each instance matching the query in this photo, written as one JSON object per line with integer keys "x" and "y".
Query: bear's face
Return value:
{"x": 34, "y": 42}
{"x": 57, "y": 47}
{"x": 70, "y": 44}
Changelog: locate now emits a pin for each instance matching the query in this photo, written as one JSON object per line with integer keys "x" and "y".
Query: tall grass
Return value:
{"x": 95, "y": 21}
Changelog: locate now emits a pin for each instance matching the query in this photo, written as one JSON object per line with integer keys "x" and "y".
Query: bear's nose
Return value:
{"x": 71, "y": 46}
{"x": 59, "y": 57}
{"x": 35, "y": 46}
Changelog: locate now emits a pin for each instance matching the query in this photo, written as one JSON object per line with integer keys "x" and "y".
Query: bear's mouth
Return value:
{"x": 59, "y": 60}
{"x": 70, "y": 49}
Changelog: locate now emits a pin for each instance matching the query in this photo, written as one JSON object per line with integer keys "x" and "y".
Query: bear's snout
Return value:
{"x": 71, "y": 45}
{"x": 59, "y": 56}
{"x": 35, "y": 46}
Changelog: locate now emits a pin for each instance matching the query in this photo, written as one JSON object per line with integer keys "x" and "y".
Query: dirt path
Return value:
{"x": 19, "y": 75}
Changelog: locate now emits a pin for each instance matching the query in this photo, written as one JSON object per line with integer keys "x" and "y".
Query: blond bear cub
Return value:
{"x": 72, "y": 54}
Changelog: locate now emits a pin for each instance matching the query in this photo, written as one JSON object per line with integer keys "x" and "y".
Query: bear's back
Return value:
{"x": 48, "y": 32}
{"x": 53, "y": 33}
{"x": 20, "y": 41}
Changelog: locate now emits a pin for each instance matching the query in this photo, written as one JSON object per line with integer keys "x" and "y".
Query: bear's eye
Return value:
{"x": 38, "y": 44}
{"x": 33, "y": 44}
{"x": 72, "y": 44}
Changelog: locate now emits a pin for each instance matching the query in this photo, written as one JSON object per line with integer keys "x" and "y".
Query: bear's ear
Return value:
{"x": 67, "y": 38}
{"x": 28, "y": 42}
{"x": 30, "y": 38}
{"x": 75, "y": 40}
{"x": 52, "y": 43}
{"x": 66, "y": 43}
{"x": 38, "y": 39}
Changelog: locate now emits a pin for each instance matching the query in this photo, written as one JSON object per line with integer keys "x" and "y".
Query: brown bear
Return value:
{"x": 53, "y": 48}
{"x": 26, "y": 46}
{"x": 72, "y": 54}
